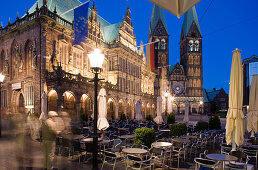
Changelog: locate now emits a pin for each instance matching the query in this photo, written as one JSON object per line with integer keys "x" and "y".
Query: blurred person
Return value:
{"x": 67, "y": 123}
{"x": 51, "y": 127}
{"x": 33, "y": 125}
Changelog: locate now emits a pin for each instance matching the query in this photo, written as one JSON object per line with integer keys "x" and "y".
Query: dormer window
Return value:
{"x": 191, "y": 45}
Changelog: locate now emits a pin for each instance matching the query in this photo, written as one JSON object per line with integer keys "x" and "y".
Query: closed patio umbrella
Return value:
{"x": 176, "y": 7}
{"x": 43, "y": 115}
{"x": 235, "y": 116}
{"x": 138, "y": 115}
{"x": 102, "y": 118}
{"x": 186, "y": 117}
{"x": 159, "y": 118}
{"x": 253, "y": 106}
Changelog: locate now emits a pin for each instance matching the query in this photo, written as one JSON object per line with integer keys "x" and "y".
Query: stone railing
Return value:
{"x": 29, "y": 17}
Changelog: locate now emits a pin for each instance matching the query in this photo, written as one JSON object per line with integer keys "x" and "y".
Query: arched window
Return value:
{"x": 196, "y": 45}
{"x": 190, "y": 59}
{"x": 157, "y": 44}
{"x": 29, "y": 57}
{"x": 17, "y": 63}
{"x": 191, "y": 45}
{"x": 2, "y": 62}
{"x": 163, "y": 44}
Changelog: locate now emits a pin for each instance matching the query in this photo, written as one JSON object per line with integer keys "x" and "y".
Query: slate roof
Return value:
{"x": 110, "y": 32}
{"x": 209, "y": 95}
{"x": 189, "y": 17}
{"x": 157, "y": 14}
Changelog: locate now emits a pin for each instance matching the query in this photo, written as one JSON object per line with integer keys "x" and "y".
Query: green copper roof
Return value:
{"x": 111, "y": 32}
{"x": 157, "y": 14}
{"x": 189, "y": 17}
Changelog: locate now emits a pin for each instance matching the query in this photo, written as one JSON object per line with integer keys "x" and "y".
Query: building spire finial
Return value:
{"x": 17, "y": 16}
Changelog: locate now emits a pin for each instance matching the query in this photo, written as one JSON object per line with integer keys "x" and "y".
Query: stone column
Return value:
{"x": 116, "y": 111}
{"x": 78, "y": 110}
{"x": 60, "y": 102}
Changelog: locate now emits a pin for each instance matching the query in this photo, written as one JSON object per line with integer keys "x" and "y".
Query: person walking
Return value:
{"x": 51, "y": 127}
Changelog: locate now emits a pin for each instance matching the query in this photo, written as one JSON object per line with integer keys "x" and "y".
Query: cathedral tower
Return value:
{"x": 158, "y": 32}
{"x": 191, "y": 53}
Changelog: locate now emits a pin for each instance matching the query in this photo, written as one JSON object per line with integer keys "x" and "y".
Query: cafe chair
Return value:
{"x": 205, "y": 163}
{"x": 225, "y": 149}
{"x": 242, "y": 162}
{"x": 137, "y": 162}
{"x": 251, "y": 152}
{"x": 110, "y": 158}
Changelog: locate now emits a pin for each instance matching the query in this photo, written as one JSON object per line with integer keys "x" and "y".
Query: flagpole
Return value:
{"x": 148, "y": 43}
{"x": 74, "y": 8}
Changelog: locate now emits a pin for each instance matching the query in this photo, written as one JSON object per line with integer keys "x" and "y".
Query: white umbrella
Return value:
{"x": 186, "y": 117}
{"x": 159, "y": 118}
{"x": 176, "y": 7}
{"x": 43, "y": 115}
{"x": 235, "y": 116}
{"x": 253, "y": 106}
{"x": 138, "y": 115}
{"x": 102, "y": 118}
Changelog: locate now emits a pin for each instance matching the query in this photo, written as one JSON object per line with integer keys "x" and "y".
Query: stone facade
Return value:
{"x": 39, "y": 57}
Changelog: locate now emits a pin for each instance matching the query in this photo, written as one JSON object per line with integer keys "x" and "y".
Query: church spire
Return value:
{"x": 156, "y": 16}
{"x": 128, "y": 15}
{"x": 190, "y": 17}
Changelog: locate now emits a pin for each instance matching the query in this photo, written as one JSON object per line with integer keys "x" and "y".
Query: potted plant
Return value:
{"x": 144, "y": 136}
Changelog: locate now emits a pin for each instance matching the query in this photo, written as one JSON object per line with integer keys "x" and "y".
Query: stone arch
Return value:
{"x": 86, "y": 105}
{"x": 194, "y": 108}
{"x": 69, "y": 103}
{"x": 174, "y": 108}
{"x": 28, "y": 57}
{"x": 143, "y": 110}
{"x": 182, "y": 108}
{"x": 153, "y": 109}
{"x": 121, "y": 107}
{"x": 111, "y": 107}
{"x": 148, "y": 109}
{"x": 129, "y": 110}
{"x": 52, "y": 100}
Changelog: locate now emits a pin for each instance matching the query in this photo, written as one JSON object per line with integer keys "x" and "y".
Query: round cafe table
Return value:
{"x": 181, "y": 140}
{"x": 126, "y": 136}
{"x": 164, "y": 130}
{"x": 222, "y": 158}
{"x": 161, "y": 144}
{"x": 90, "y": 140}
{"x": 75, "y": 137}
{"x": 134, "y": 151}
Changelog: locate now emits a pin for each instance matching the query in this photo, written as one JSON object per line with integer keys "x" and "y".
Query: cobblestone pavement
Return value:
{"x": 32, "y": 155}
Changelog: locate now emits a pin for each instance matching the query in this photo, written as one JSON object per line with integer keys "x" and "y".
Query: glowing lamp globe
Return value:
{"x": 96, "y": 59}
{"x": 201, "y": 102}
{"x": 2, "y": 78}
{"x": 166, "y": 94}
{"x": 172, "y": 98}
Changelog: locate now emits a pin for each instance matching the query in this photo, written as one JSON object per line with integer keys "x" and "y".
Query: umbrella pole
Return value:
{"x": 233, "y": 140}
{"x": 158, "y": 126}
{"x": 252, "y": 133}
{"x": 102, "y": 133}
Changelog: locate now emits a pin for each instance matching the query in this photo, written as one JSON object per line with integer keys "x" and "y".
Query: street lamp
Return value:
{"x": 166, "y": 108}
{"x": 1, "y": 81}
{"x": 96, "y": 61}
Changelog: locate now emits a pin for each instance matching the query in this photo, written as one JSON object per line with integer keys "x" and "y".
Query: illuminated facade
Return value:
{"x": 38, "y": 56}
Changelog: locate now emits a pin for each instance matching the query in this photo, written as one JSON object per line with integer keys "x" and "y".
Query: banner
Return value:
{"x": 81, "y": 24}
{"x": 150, "y": 52}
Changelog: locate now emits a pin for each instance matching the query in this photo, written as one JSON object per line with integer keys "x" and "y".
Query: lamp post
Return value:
{"x": 1, "y": 81}
{"x": 200, "y": 110}
{"x": 96, "y": 61}
{"x": 166, "y": 108}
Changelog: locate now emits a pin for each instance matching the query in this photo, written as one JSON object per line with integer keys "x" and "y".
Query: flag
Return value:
{"x": 81, "y": 23}
{"x": 151, "y": 64}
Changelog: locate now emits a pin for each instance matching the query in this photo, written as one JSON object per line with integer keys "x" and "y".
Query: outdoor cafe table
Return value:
{"x": 181, "y": 140}
{"x": 90, "y": 140}
{"x": 134, "y": 151}
{"x": 126, "y": 136}
{"x": 161, "y": 144}
{"x": 75, "y": 137}
{"x": 222, "y": 158}
{"x": 164, "y": 130}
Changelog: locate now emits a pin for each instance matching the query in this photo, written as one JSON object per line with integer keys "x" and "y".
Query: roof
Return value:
{"x": 210, "y": 94}
{"x": 157, "y": 14}
{"x": 251, "y": 59}
{"x": 205, "y": 97}
{"x": 110, "y": 32}
{"x": 189, "y": 17}
{"x": 171, "y": 68}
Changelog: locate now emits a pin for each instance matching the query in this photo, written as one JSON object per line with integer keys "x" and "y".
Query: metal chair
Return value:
{"x": 136, "y": 162}
{"x": 110, "y": 158}
{"x": 251, "y": 152}
{"x": 205, "y": 163}
{"x": 242, "y": 162}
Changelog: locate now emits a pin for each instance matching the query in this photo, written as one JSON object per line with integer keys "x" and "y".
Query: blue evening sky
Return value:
{"x": 228, "y": 24}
